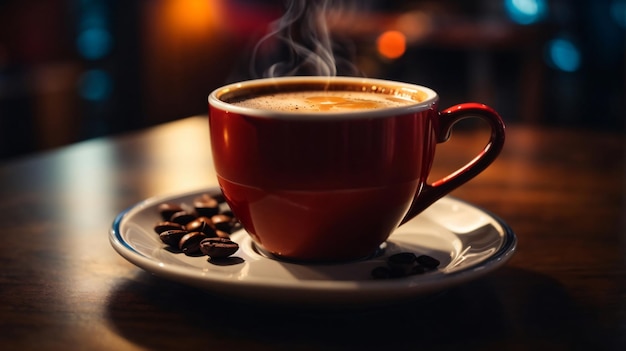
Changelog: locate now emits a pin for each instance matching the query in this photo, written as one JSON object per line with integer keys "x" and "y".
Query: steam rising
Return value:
{"x": 302, "y": 40}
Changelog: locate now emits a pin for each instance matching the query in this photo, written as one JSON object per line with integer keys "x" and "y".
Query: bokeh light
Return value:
{"x": 192, "y": 16}
{"x": 94, "y": 43}
{"x": 95, "y": 85}
{"x": 391, "y": 44}
{"x": 564, "y": 55}
{"x": 526, "y": 11}
{"x": 618, "y": 12}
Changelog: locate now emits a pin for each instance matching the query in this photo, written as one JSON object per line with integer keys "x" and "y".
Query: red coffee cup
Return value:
{"x": 332, "y": 183}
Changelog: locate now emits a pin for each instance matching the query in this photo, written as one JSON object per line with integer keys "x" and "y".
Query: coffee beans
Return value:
{"x": 223, "y": 222}
{"x": 206, "y": 205}
{"x": 172, "y": 237}
{"x": 183, "y": 217}
{"x": 203, "y": 227}
{"x": 201, "y": 224}
{"x": 186, "y": 228}
{"x": 167, "y": 210}
{"x": 164, "y": 226}
{"x": 427, "y": 262}
{"x": 401, "y": 264}
{"x": 218, "y": 247}
{"x": 405, "y": 264}
{"x": 190, "y": 243}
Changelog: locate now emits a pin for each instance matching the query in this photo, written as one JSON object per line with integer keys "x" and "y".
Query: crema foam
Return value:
{"x": 324, "y": 101}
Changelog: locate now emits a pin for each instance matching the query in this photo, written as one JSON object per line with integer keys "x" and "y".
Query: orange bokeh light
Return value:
{"x": 192, "y": 16}
{"x": 391, "y": 44}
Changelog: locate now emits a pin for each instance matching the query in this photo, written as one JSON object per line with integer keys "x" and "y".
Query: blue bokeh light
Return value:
{"x": 618, "y": 12}
{"x": 526, "y": 11}
{"x": 94, "y": 43}
{"x": 95, "y": 85}
{"x": 564, "y": 55}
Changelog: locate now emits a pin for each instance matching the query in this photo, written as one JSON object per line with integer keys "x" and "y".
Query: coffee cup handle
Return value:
{"x": 443, "y": 127}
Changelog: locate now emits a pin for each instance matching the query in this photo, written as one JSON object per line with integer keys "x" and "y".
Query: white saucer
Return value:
{"x": 468, "y": 242}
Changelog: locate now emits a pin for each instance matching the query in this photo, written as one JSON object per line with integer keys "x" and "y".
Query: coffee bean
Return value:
{"x": 428, "y": 262}
{"x": 166, "y": 210}
{"x": 201, "y": 224}
{"x": 402, "y": 263}
{"x": 163, "y": 226}
{"x": 206, "y": 205}
{"x": 183, "y": 217}
{"x": 221, "y": 234}
{"x": 218, "y": 247}
{"x": 172, "y": 237}
{"x": 223, "y": 222}
{"x": 402, "y": 258}
{"x": 190, "y": 243}
{"x": 228, "y": 213}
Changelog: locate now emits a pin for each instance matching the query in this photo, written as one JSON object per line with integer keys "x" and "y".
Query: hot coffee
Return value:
{"x": 324, "y": 101}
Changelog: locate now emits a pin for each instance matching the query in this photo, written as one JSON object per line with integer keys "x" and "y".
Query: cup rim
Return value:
{"x": 430, "y": 100}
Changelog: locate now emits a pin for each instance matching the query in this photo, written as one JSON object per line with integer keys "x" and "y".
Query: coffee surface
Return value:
{"x": 324, "y": 101}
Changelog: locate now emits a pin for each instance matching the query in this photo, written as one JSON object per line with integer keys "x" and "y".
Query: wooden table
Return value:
{"x": 62, "y": 286}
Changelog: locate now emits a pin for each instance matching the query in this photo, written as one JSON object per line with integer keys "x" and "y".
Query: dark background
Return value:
{"x": 72, "y": 70}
